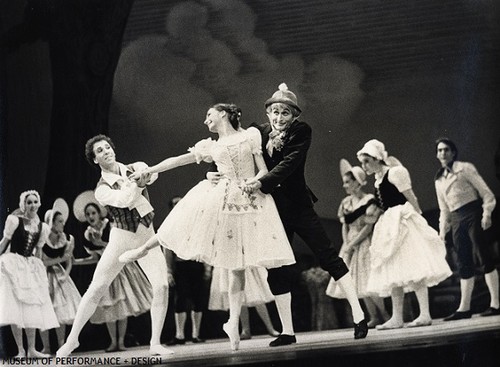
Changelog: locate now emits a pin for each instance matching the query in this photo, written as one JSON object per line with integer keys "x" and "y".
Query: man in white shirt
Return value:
{"x": 127, "y": 202}
{"x": 466, "y": 204}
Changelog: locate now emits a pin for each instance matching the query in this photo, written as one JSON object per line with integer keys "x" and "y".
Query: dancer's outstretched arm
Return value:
{"x": 261, "y": 166}
{"x": 167, "y": 164}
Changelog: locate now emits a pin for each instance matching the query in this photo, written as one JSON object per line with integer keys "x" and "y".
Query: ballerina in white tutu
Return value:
{"x": 220, "y": 224}
{"x": 25, "y": 301}
{"x": 406, "y": 253}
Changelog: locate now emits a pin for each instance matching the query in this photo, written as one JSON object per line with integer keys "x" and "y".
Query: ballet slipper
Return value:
{"x": 420, "y": 321}
{"x": 132, "y": 255}
{"x": 389, "y": 325}
{"x": 159, "y": 350}
{"x": 67, "y": 348}
{"x": 232, "y": 332}
{"x": 36, "y": 354}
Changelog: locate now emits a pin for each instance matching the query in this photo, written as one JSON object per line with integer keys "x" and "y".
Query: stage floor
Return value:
{"x": 473, "y": 342}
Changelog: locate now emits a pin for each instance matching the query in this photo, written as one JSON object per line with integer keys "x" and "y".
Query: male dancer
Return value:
{"x": 128, "y": 203}
{"x": 285, "y": 142}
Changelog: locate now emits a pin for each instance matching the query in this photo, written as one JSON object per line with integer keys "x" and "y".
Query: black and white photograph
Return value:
{"x": 260, "y": 183}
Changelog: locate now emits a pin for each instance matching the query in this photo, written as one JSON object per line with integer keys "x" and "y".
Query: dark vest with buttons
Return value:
{"x": 124, "y": 218}
{"x": 388, "y": 195}
{"x": 21, "y": 242}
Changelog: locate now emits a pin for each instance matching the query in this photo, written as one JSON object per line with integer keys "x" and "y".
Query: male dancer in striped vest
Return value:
{"x": 127, "y": 202}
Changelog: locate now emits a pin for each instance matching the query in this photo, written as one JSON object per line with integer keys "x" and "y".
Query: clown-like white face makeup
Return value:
{"x": 280, "y": 116}
{"x": 444, "y": 154}
{"x": 31, "y": 204}
{"x": 369, "y": 164}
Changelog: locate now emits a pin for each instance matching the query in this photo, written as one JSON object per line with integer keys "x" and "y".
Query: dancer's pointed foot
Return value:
{"x": 36, "y": 354}
{"x": 133, "y": 255}
{"x": 389, "y": 325}
{"x": 231, "y": 329}
{"x": 67, "y": 348}
{"x": 420, "y": 321}
{"x": 159, "y": 350}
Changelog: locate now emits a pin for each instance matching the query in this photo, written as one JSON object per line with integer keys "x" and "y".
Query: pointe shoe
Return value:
{"x": 389, "y": 325}
{"x": 132, "y": 255}
{"x": 37, "y": 354}
{"x": 420, "y": 322}
{"x": 233, "y": 334}
{"x": 159, "y": 350}
{"x": 67, "y": 349}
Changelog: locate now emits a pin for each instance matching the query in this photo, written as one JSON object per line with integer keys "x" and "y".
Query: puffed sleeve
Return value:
{"x": 11, "y": 224}
{"x": 400, "y": 177}
{"x": 202, "y": 150}
{"x": 372, "y": 211}
{"x": 255, "y": 140}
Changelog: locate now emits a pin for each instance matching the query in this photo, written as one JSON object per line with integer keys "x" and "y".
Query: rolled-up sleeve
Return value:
{"x": 120, "y": 198}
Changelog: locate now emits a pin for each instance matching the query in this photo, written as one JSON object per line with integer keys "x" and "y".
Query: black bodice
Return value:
{"x": 388, "y": 195}
{"x": 22, "y": 241}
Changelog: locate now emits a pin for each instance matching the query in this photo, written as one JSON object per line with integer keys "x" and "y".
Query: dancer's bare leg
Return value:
{"x": 236, "y": 287}
{"x": 155, "y": 268}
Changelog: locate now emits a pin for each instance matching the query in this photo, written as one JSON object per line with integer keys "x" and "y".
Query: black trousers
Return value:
{"x": 305, "y": 222}
{"x": 470, "y": 241}
{"x": 189, "y": 286}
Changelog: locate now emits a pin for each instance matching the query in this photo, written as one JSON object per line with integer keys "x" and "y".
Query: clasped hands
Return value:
{"x": 248, "y": 186}
{"x": 141, "y": 177}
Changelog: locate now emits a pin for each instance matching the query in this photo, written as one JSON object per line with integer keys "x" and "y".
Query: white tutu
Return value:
{"x": 24, "y": 293}
{"x": 257, "y": 291}
{"x": 405, "y": 252}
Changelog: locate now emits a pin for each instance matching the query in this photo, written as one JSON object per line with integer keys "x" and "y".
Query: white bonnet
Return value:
{"x": 374, "y": 148}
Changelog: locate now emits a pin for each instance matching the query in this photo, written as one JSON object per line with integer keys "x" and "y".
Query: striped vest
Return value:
{"x": 127, "y": 219}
